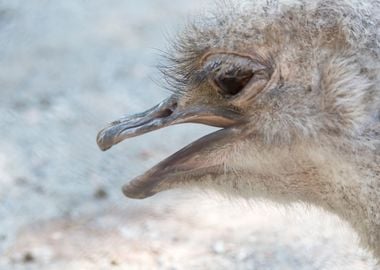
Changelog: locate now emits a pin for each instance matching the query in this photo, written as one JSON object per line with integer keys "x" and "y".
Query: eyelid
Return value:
{"x": 225, "y": 63}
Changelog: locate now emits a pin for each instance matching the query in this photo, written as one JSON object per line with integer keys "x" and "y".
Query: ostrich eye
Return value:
{"x": 231, "y": 84}
{"x": 230, "y": 73}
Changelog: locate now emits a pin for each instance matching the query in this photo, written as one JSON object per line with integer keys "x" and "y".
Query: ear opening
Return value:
{"x": 350, "y": 99}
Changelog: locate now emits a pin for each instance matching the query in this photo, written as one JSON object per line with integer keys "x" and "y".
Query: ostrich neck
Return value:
{"x": 344, "y": 181}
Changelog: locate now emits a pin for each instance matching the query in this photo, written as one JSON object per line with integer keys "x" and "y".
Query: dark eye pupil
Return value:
{"x": 232, "y": 85}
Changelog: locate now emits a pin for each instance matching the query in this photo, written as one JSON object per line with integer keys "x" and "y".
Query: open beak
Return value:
{"x": 189, "y": 163}
{"x": 162, "y": 115}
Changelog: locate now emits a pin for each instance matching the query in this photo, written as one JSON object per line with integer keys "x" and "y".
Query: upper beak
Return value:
{"x": 166, "y": 113}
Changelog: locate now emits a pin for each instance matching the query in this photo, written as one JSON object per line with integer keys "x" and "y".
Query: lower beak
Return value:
{"x": 162, "y": 115}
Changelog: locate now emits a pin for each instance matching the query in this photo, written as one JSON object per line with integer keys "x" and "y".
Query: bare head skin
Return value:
{"x": 294, "y": 87}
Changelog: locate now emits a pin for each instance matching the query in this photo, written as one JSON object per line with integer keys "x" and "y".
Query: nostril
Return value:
{"x": 165, "y": 113}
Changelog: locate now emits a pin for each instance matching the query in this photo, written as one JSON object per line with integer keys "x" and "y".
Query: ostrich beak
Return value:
{"x": 199, "y": 160}
{"x": 191, "y": 162}
{"x": 162, "y": 115}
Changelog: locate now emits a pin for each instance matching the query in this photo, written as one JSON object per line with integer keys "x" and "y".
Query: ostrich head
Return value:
{"x": 295, "y": 90}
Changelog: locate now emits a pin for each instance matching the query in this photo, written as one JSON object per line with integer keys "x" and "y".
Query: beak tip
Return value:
{"x": 131, "y": 191}
{"x": 104, "y": 148}
{"x": 103, "y": 141}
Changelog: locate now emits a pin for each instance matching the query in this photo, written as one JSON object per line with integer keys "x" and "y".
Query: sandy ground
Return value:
{"x": 67, "y": 68}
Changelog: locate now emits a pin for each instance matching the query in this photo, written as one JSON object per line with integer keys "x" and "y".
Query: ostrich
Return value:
{"x": 295, "y": 88}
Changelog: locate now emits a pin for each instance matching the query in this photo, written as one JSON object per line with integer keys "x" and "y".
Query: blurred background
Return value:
{"x": 66, "y": 69}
